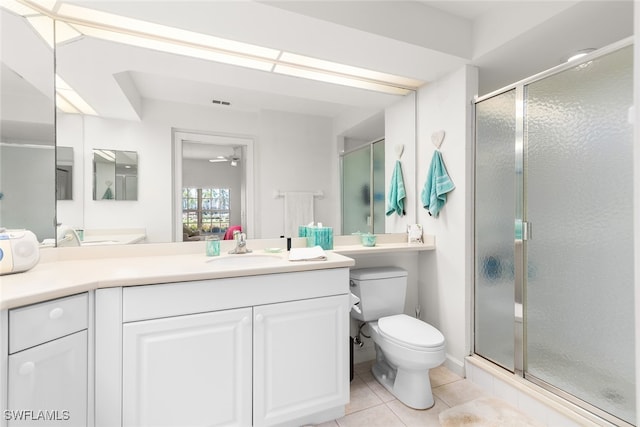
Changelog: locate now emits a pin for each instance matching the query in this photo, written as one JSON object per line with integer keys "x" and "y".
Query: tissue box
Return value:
{"x": 320, "y": 236}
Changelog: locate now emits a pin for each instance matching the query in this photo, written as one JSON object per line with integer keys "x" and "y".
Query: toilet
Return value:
{"x": 406, "y": 347}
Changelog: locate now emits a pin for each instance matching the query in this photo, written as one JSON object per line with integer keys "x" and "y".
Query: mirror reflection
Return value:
{"x": 145, "y": 99}
{"x": 126, "y": 97}
{"x": 363, "y": 189}
{"x": 27, "y": 132}
{"x": 64, "y": 173}
{"x": 115, "y": 175}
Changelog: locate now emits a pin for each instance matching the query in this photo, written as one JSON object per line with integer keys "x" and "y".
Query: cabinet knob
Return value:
{"x": 26, "y": 368}
{"x": 56, "y": 313}
{"x": 245, "y": 320}
{"x": 259, "y": 317}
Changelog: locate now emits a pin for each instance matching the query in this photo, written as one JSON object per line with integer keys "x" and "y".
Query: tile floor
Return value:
{"x": 372, "y": 405}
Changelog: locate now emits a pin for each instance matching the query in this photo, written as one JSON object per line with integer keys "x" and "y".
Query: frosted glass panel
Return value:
{"x": 495, "y": 207}
{"x": 378, "y": 188}
{"x": 356, "y": 203}
{"x": 579, "y": 297}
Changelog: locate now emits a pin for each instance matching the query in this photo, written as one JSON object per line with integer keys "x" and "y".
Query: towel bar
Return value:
{"x": 277, "y": 193}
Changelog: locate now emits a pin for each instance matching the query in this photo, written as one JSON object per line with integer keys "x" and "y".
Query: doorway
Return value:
{"x": 212, "y": 183}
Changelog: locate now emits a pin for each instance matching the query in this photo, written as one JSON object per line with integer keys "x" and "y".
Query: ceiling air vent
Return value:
{"x": 219, "y": 102}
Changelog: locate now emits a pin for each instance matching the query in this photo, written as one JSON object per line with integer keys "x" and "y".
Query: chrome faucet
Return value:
{"x": 241, "y": 243}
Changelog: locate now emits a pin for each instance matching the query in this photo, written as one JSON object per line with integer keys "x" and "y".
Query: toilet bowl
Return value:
{"x": 406, "y": 349}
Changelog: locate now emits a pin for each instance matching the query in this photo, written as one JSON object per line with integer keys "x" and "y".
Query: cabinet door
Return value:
{"x": 48, "y": 384}
{"x": 190, "y": 370}
{"x": 301, "y": 359}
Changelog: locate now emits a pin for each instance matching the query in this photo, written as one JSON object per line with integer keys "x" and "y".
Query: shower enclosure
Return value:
{"x": 554, "y": 291}
{"x": 363, "y": 203}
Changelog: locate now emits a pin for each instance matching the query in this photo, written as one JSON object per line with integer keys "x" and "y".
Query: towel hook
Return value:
{"x": 399, "y": 150}
{"x": 437, "y": 138}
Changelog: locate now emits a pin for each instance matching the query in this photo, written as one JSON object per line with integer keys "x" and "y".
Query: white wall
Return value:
{"x": 400, "y": 130}
{"x": 444, "y": 275}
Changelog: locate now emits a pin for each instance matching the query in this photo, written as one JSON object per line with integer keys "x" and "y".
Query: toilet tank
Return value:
{"x": 381, "y": 291}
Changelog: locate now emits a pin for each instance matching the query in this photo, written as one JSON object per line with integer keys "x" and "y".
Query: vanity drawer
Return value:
{"x": 39, "y": 323}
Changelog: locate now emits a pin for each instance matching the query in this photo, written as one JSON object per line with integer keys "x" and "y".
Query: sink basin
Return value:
{"x": 245, "y": 260}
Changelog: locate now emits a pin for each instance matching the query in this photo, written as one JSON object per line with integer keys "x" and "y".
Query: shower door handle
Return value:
{"x": 527, "y": 230}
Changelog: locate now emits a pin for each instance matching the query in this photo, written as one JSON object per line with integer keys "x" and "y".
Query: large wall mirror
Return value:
{"x": 116, "y": 94}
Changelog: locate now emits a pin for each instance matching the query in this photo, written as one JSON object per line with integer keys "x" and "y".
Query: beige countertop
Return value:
{"x": 67, "y": 271}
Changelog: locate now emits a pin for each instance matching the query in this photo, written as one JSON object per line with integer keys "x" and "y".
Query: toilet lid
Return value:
{"x": 409, "y": 330}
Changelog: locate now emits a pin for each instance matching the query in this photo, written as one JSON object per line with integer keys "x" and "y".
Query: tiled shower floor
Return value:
{"x": 372, "y": 405}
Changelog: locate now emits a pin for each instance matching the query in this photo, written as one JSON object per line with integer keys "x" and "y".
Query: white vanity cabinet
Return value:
{"x": 299, "y": 364}
{"x": 47, "y": 376}
{"x": 188, "y": 370}
{"x": 259, "y": 350}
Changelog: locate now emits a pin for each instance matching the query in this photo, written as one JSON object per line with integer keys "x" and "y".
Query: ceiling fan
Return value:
{"x": 233, "y": 159}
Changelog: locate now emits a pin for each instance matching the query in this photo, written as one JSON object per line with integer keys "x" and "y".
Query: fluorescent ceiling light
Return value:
{"x": 72, "y": 97}
{"x": 46, "y": 4}
{"x": 65, "y": 105}
{"x": 106, "y": 154}
{"x": 173, "y": 47}
{"x": 135, "y": 32}
{"x": 18, "y": 8}
{"x": 64, "y": 32}
{"x": 320, "y": 64}
{"x": 165, "y": 32}
{"x": 339, "y": 79}
{"x": 44, "y": 26}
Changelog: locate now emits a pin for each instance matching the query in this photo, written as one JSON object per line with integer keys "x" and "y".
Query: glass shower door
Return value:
{"x": 356, "y": 189}
{"x": 494, "y": 216}
{"x": 579, "y": 284}
{"x": 363, "y": 199}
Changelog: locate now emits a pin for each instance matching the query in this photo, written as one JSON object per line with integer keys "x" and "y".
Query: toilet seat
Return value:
{"x": 410, "y": 332}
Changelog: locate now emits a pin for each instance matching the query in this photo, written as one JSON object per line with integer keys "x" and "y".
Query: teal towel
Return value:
{"x": 108, "y": 194}
{"x": 438, "y": 184}
{"x": 397, "y": 193}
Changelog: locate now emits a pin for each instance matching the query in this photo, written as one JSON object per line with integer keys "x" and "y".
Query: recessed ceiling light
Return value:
{"x": 579, "y": 54}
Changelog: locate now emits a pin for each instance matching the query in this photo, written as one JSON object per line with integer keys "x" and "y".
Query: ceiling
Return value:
{"x": 507, "y": 40}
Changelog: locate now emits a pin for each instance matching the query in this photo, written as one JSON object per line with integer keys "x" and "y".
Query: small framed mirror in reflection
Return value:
{"x": 115, "y": 175}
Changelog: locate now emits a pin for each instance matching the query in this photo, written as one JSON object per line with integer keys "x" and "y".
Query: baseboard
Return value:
{"x": 454, "y": 365}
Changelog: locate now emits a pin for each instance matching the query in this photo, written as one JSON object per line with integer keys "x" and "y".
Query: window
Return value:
{"x": 205, "y": 210}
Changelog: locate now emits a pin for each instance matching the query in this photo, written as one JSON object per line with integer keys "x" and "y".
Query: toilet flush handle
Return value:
{"x": 354, "y": 301}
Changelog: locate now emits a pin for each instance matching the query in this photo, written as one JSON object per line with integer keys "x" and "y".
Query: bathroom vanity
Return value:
{"x": 176, "y": 340}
